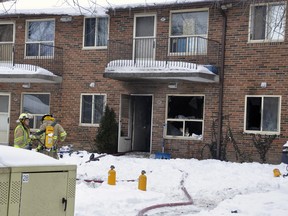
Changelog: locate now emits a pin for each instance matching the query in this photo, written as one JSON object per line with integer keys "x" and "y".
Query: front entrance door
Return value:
{"x": 4, "y": 118}
{"x": 135, "y": 123}
{"x": 144, "y": 37}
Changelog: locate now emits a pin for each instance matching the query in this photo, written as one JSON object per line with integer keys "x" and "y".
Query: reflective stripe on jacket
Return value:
{"x": 21, "y": 136}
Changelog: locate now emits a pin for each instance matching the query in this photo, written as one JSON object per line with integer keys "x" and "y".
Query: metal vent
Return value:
{"x": 71, "y": 187}
{"x": 4, "y": 188}
{"x": 15, "y": 192}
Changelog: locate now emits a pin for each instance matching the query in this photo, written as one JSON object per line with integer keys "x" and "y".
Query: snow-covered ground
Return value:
{"x": 216, "y": 188}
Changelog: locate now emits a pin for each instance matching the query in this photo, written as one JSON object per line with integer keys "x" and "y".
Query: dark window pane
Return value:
{"x": 175, "y": 128}
{"x": 6, "y": 33}
{"x": 32, "y": 49}
{"x": 46, "y": 49}
{"x": 259, "y": 20}
{"x": 144, "y": 26}
{"x": 86, "y": 116}
{"x": 193, "y": 128}
{"x": 188, "y": 107}
{"x": 90, "y": 24}
{"x": 253, "y": 113}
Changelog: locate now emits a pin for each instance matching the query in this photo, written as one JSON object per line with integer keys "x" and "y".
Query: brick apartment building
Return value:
{"x": 169, "y": 71}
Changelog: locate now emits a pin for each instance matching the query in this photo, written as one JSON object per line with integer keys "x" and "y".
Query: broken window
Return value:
{"x": 267, "y": 22}
{"x": 185, "y": 116}
{"x": 262, "y": 114}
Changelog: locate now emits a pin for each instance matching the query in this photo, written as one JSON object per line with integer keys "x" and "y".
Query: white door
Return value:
{"x": 4, "y": 118}
{"x": 125, "y": 120}
{"x": 144, "y": 37}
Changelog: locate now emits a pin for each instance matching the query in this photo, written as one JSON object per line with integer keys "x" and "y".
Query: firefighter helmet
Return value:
{"x": 23, "y": 116}
{"x": 43, "y": 117}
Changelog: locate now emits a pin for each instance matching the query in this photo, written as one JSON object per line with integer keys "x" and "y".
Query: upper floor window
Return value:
{"x": 37, "y": 105}
{"x": 6, "y": 42}
{"x": 262, "y": 114}
{"x": 188, "y": 32}
{"x": 185, "y": 116}
{"x": 267, "y": 22}
{"x": 40, "y": 35}
{"x": 96, "y": 32}
{"x": 92, "y": 108}
{"x": 6, "y": 33}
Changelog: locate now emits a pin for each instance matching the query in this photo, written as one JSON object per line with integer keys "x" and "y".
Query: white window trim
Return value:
{"x": 250, "y": 20}
{"x": 12, "y": 23}
{"x": 80, "y": 116}
{"x": 279, "y": 116}
{"x": 183, "y": 120}
{"x": 26, "y": 38}
{"x": 94, "y": 47}
{"x": 178, "y": 36}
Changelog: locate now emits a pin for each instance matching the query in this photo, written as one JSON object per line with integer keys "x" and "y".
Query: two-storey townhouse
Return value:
{"x": 168, "y": 59}
{"x": 178, "y": 75}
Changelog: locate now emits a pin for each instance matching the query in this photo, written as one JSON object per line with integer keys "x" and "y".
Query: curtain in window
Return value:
{"x": 98, "y": 108}
{"x": 270, "y": 114}
{"x": 102, "y": 31}
{"x": 258, "y": 24}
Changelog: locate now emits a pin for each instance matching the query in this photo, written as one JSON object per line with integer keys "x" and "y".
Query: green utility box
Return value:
{"x": 42, "y": 190}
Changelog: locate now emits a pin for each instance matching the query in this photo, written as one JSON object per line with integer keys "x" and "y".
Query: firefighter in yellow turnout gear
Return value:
{"x": 52, "y": 132}
{"x": 22, "y": 137}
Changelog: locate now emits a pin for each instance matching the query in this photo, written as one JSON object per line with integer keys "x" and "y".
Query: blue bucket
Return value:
{"x": 160, "y": 155}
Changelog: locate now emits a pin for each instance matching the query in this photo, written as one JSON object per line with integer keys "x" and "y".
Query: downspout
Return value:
{"x": 223, "y": 11}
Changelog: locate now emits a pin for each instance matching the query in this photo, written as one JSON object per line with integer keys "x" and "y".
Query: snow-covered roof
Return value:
{"x": 23, "y": 73}
{"x": 84, "y": 7}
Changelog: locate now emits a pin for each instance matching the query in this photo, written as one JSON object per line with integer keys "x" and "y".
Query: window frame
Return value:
{"x": 261, "y": 131}
{"x": 92, "y": 114}
{"x": 197, "y": 36}
{"x": 95, "y": 38}
{"x": 266, "y": 39}
{"x": 39, "y": 42}
{"x": 34, "y": 128}
{"x": 184, "y": 120}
